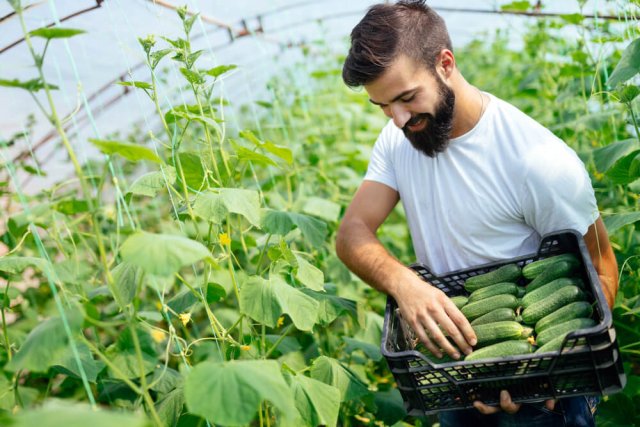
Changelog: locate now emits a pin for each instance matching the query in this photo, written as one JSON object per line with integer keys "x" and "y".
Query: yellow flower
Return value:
{"x": 245, "y": 347}
{"x": 157, "y": 335}
{"x": 224, "y": 239}
{"x": 280, "y": 321}
{"x": 185, "y": 318}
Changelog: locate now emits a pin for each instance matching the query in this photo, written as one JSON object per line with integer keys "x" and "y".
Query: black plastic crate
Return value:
{"x": 588, "y": 364}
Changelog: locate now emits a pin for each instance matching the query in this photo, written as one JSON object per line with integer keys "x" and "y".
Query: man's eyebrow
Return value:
{"x": 401, "y": 95}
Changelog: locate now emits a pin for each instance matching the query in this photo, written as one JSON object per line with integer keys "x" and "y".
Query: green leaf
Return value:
{"x": 390, "y": 406}
{"x": 157, "y": 56}
{"x": 318, "y": 403}
{"x": 162, "y": 254}
{"x": 331, "y": 371}
{"x": 308, "y": 274}
{"x": 237, "y": 388}
{"x": 265, "y": 300}
{"x": 572, "y": 18}
{"x": 281, "y": 152}
{"x": 605, "y": 157}
{"x": 46, "y": 345}
{"x": 192, "y": 77}
{"x": 619, "y": 410}
{"x": 67, "y": 413}
{"x": 220, "y": 70}
{"x": 215, "y": 293}
{"x": 33, "y": 85}
{"x": 516, "y": 6}
{"x": 151, "y": 183}
{"x": 130, "y": 152}
{"x": 332, "y": 306}
{"x": 68, "y": 364}
{"x": 628, "y": 66}
{"x": 55, "y": 33}
{"x": 626, "y": 169}
{"x": 279, "y": 222}
{"x": 138, "y": 84}
{"x": 17, "y": 264}
{"x": 372, "y": 351}
{"x": 170, "y": 407}
{"x": 628, "y": 93}
{"x": 616, "y": 221}
{"x": 126, "y": 278}
{"x": 182, "y": 301}
{"x": 192, "y": 169}
{"x": 247, "y": 155}
{"x": 210, "y": 207}
{"x": 71, "y": 207}
{"x": 242, "y": 202}
{"x": 322, "y": 208}
{"x": 123, "y": 353}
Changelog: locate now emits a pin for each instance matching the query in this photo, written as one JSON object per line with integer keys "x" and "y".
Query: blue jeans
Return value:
{"x": 569, "y": 412}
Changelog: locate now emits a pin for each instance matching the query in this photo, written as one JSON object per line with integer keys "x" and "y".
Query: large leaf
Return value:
{"x": 390, "y": 406}
{"x": 279, "y": 222}
{"x": 56, "y": 413}
{"x": 308, "y": 274}
{"x": 322, "y": 208}
{"x": 625, "y": 170}
{"x": 17, "y": 264}
{"x": 123, "y": 353}
{"x": 281, "y": 152}
{"x": 151, "y": 183}
{"x": 372, "y": 351}
{"x": 68, "y": 364}
{"x": 266, "y": 300}
{"x": 332, "y": 306}
{"x": 210, "y": 207}
{"x": 616, "y": 221}
{"x": 162, "y": 254}
{"x": 220, "y": 70}
{"x": 192, "y": 169}
{"x": 247, "y": 155}
{"x": 605, "y": 157}
{"x": 229, "y": 393}
{"x": 628, "y": 66}
{"x": 126, "y": 277}
{"x": 47, "y": 345}
{"x": 242, "y": 202}
{"x": 33, "y": 85}
{"x": 170, "y": 407}
{"x": 331, "y": 371}
{"x": 128, "y": 151}
{"x": 317, "y": 402}
{"x": 55, "y": 33}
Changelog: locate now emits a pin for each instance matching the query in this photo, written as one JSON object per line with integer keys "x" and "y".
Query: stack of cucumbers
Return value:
{"x": 510, "y": 319}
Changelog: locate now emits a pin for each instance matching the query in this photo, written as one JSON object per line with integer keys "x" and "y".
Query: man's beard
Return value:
{"x": 434, "y": 138}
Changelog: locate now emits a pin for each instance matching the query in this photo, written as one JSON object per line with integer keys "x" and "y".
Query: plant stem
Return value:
{"x": 5, "y": 331}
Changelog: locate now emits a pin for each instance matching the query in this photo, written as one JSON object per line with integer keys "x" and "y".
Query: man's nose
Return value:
{"x": 400, "y": 115}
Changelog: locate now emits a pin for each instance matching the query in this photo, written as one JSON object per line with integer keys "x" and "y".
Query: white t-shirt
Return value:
{"x": 491, "y": 194}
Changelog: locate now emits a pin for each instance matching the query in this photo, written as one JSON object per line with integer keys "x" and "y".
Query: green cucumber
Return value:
{"x": 564, "y": 296}
{"x": 521, "y": 292}
{"x": 478, "y": 308}
{"x": 572, "y": 311}
{"x": 553, "y": 272}
{"x": 490, "y": 333}
{"x": 491, "y": 290}
{"x": 532, "y": 270}
{"x": 501, "y": 349}
{"x": 459, "y": 301}
{"x": 553, "y": 345}
{"x": 549, "y": 289}
{"x": 562, "y": 329}
{"x": 506, "y": 273}
{"x": 497, "y": 315}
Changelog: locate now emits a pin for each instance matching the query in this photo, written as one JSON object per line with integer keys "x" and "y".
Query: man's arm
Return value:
{"x": 424, "y": 307}
{"x": 604, "y": 260}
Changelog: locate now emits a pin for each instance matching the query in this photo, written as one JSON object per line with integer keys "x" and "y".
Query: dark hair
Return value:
{"x": 408, "y": 27}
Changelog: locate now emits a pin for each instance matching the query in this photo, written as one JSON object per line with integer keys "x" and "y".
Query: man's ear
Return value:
{"x": 445, "y": 64}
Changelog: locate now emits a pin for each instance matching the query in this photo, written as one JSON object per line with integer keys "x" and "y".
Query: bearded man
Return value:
{"x": 479, "y": 181}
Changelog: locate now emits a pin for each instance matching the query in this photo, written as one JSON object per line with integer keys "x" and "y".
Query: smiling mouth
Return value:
{"x": 416, "y": 123}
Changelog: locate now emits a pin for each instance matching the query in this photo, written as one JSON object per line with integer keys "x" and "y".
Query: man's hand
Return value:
{"x": 507, "y": 405}
{"x": 429, "y": 312}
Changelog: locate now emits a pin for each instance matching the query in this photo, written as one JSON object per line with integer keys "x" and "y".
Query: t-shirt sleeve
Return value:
{"x": 381, "y": 168}
{"x": 557, "y": 192}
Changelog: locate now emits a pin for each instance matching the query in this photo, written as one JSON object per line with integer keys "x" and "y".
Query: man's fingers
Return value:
{"x": 507, "y": 404}
{"x": 462, "y": 324}
{"x": 550, "y": 404}
{"x": 438, "y": 337}
{"x": 454, "y": 331}
{"x": 426, "y": 340}
{"x": 485, "y": 409}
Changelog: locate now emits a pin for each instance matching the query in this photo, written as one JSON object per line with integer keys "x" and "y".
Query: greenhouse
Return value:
{"x": 319, "y": 213}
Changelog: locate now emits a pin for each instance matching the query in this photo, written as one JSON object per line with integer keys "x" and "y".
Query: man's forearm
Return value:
{"x": 361, "y": 251}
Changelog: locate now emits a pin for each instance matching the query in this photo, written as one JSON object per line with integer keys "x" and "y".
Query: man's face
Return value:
{"x": 419, "y": 103}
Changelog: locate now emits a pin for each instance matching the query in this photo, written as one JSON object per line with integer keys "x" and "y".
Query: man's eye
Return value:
{"x": 408, "y": 99}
